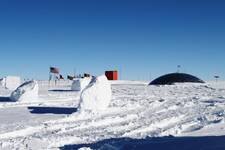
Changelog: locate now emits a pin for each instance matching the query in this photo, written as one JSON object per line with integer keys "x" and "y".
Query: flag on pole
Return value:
{"x": 54, "y": 70}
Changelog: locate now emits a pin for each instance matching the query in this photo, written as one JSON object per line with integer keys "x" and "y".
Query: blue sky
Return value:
{"x": 141, "y": 38}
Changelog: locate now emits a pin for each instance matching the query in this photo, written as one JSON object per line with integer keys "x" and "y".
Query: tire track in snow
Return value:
{"x": 176, "y": 113}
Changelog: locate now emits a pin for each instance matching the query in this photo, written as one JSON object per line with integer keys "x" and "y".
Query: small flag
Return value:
{"x": 54, "y": 70}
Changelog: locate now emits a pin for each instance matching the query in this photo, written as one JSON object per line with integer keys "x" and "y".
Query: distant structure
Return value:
{"x": 175, "y": 78}
{"x": 69, "y": 77}
{"x": 112, "y": 75}
{"x": 86, "y": 75}
{"x": 61, "y": 77}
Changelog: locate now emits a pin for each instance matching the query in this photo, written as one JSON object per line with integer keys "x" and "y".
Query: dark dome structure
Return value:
{"x": 175, "y": 78}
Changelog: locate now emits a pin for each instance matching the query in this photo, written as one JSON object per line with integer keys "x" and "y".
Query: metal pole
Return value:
{"x": 178, "y": 68}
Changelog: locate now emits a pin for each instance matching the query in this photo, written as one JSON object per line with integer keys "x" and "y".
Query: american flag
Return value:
{"x": 54, "y": 70}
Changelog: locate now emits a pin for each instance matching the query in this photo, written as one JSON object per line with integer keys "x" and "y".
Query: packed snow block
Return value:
{"x": 80, "y": 84}
{"x": 28, "y": 91}
{"x": 97, "y": 95}
{"x": 11, "y": 82}
{"x": 2, "y": 82}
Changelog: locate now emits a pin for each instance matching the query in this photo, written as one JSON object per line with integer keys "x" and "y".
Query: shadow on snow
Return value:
{"x": 52, "y": 110}
{"x": 59, "y": 90}
{"x": 161, "y": 143}
{"x": 5, "y": 99}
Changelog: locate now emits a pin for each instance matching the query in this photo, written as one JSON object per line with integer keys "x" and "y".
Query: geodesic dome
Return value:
{"x": 175, "y": 78}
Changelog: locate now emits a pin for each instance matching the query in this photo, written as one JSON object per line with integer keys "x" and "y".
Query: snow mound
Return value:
{"x": 80, "y": 84}
{"x": 96, "y": 96}
{"x": 10, "y": 82}
{"x": 28, "y": 91}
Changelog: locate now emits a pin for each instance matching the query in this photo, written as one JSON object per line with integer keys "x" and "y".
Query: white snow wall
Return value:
{"x": 11, "y": 82}
{"x": 97, "y": 95}
{"x": 26, "y": 92}
{"x": 80, "y": 84}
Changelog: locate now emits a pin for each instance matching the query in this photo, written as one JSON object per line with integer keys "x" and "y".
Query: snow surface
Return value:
{"x": 28, "y": 91}
{"x": 80, "y": 84}
{"x": 96, "y": 96}
{"x": 136, "y": 114}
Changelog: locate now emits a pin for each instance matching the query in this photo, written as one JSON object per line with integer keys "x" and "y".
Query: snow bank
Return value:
{"x": 28, "y": 91}
{"x": 10, "y": 82}
{"x": 80, "y": 84}
{"x": 97, "y": 95}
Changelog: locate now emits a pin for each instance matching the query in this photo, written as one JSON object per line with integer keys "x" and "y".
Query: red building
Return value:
{"x": 111, "y": 75}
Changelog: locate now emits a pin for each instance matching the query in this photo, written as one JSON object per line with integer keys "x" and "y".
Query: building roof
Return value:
{"x": 175, "y": 78}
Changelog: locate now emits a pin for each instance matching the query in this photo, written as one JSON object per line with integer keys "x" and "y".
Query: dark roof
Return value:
{"x": 174, "y": 78}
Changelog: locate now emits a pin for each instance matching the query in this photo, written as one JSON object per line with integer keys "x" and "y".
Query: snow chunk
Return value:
{"x": 96, "y": 96}
{"x": 80, "y": 84}
{"x": 10, "y": 82}
{"x": 28, "y": 91}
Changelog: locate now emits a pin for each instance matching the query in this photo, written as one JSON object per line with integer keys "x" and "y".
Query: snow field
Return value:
{"x": 135, "y": 111}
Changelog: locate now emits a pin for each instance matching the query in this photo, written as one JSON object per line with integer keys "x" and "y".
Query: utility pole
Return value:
{"x": 74, "y": 72}
{"x": 178, "y": 68}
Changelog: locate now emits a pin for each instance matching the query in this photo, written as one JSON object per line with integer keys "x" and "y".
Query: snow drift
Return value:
{"x": 80, "y": 84}
{"x": 136, "y": 112}
{"x": 97, "y": 95}
{"x": 28, "y": 91}
{"x": 10, "y": 82}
